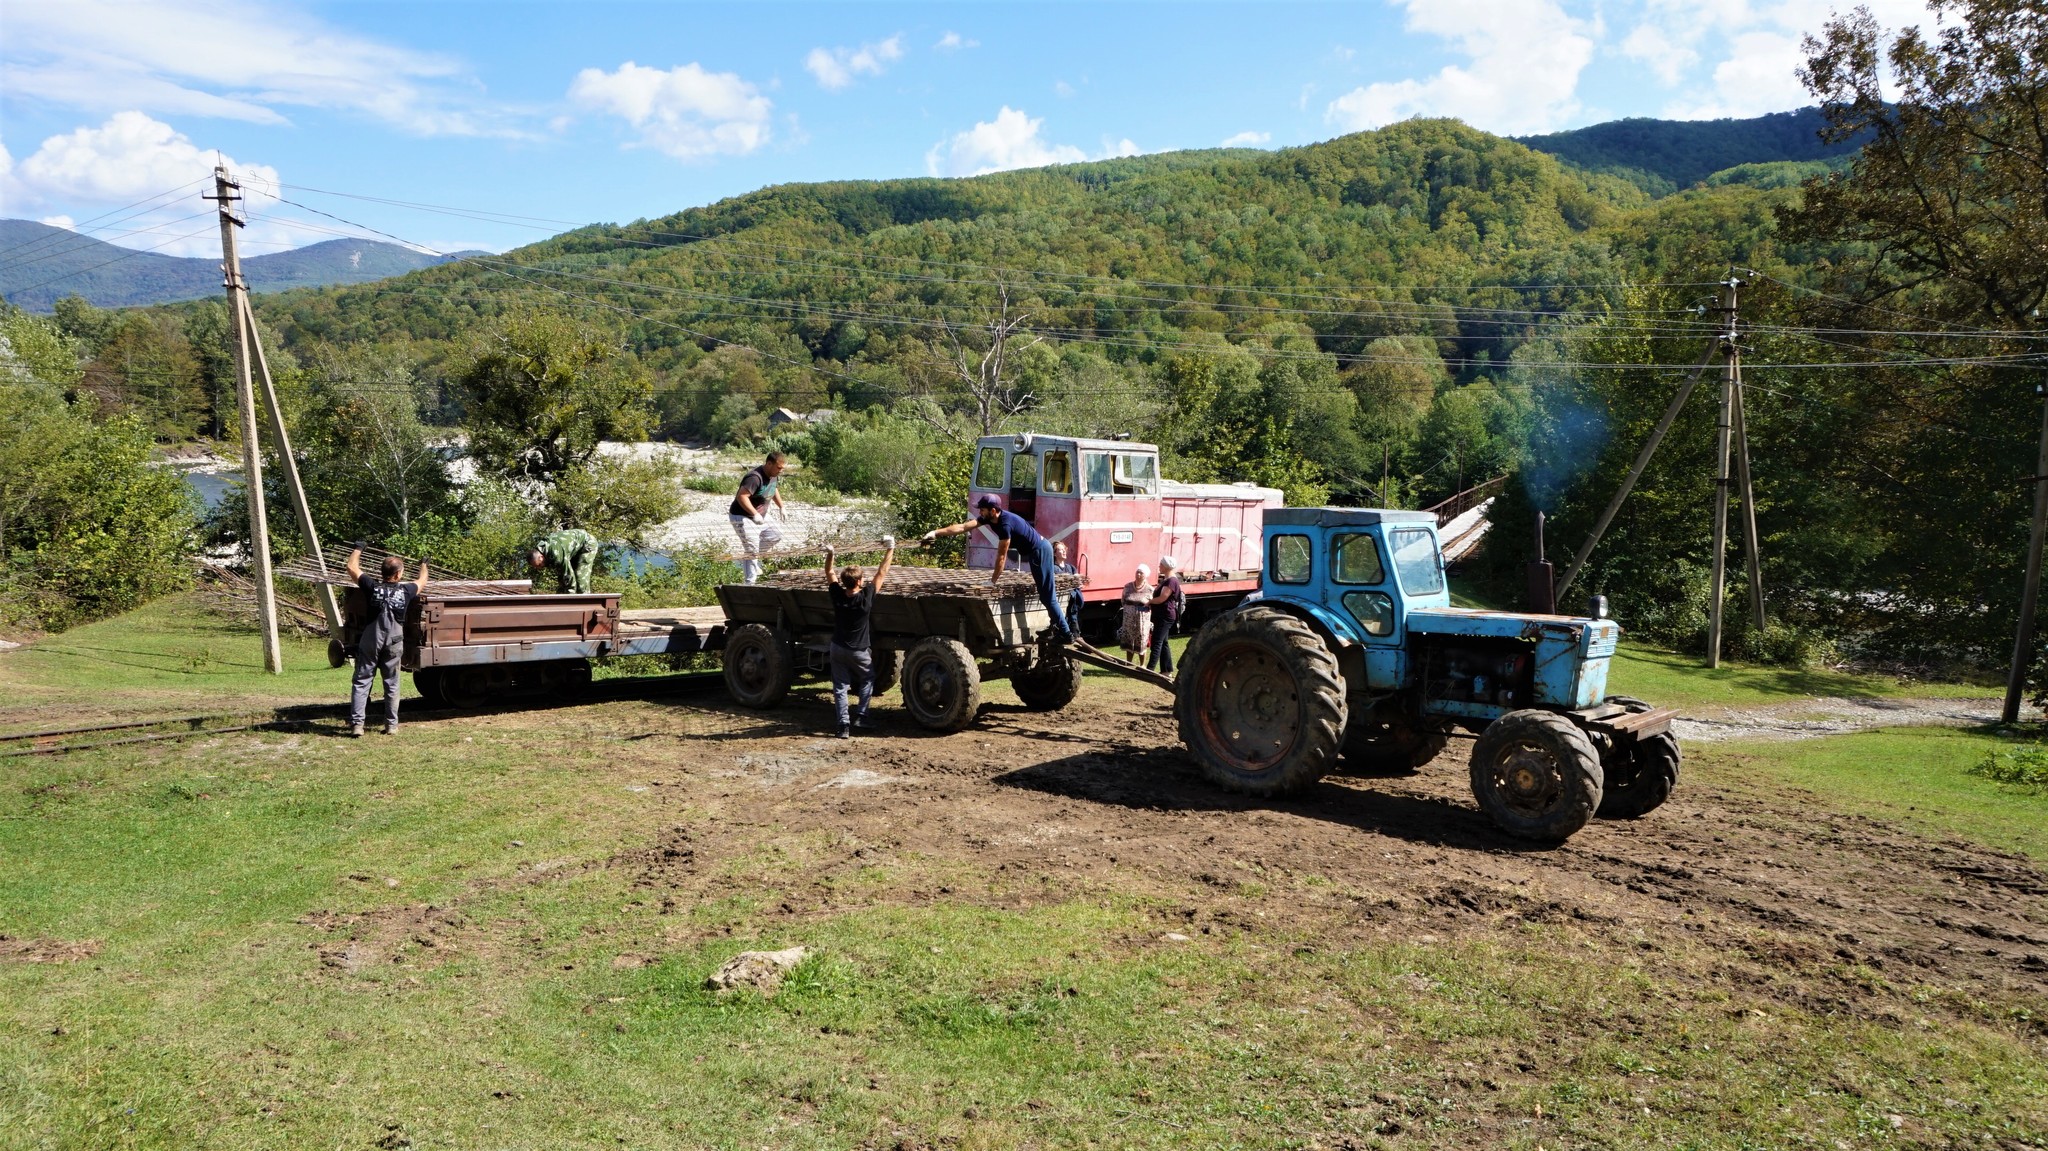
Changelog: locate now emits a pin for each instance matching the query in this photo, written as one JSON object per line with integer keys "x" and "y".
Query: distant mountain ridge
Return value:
{"x": 1680, "y": 153}
{"x": 40, "y": 264}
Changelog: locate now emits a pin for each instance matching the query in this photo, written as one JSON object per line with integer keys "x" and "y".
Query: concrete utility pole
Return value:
{"x": 225, "y": 192}
{"x": 2030, "y": 596}
{"x": 1724, "y": 435}
{"x": 1753, "y": 545}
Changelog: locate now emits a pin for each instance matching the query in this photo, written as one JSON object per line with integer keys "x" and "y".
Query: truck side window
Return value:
{"x": 1136, "y": 475}
{"x": 1415, "y": 557}
{"x": 1095, "y": 470}
{"x": 1356, "y": 559}
{"x": 1291, "y": 562}
{"x": 1373, "y": 611}
{"x": 1023, "y": 472}
{"x": 988, "y": 469}
{"x": 1058, "y": 476}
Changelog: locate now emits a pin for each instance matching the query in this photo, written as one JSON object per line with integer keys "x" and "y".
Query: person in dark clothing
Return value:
{"x": 749, "y": 513}
{"x": 851, "y": 655}
{"x": 1167, "y": 603}
{"x": 383, "y": 639}
{"x": 1010, "y": 528}
{"x": 1061, "y": 566}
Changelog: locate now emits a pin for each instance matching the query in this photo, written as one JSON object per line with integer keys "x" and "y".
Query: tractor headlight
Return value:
{"x": 1597, "y": 607}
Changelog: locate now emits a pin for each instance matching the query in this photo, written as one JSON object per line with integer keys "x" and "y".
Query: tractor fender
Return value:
{"x": 1334, "y": 629}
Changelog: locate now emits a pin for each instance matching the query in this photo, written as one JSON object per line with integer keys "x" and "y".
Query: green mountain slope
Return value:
{"x": 40, "y": 264}
{"x": 1681, "y": 153}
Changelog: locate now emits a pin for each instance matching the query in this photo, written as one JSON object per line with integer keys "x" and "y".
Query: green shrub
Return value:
{"x": 2025, "y": 767}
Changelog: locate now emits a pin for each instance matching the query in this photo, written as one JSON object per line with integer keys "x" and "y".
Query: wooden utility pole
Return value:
{"x": 324, "y": 592}
{"x": 2030, "y": 595}
{"x": 225, "y": 191}
{"x": 1724, "y": 434}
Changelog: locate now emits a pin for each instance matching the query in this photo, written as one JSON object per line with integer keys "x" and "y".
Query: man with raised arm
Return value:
{"x": 382, "y": 641}
{"x": 852, "y": 652}
{"x": 749, "y": 512}
{"x": 1010, "y": 528}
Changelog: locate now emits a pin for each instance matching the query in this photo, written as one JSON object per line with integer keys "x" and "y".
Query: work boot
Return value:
{"x": 390, "y": 729}
{"x": 861, "y": 721}
{"x": 845, "y": 731}
{"x": 355, "y": 731}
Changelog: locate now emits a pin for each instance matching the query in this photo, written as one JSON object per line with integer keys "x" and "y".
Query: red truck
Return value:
{"x": 1106, "y": 500}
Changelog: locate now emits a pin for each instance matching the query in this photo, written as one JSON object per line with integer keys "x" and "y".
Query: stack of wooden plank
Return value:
{"x": 931, "y": 581}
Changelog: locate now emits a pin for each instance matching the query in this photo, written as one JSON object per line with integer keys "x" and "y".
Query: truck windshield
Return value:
{"x": 988, "y": 469}
{"x": 1415, "y": 558}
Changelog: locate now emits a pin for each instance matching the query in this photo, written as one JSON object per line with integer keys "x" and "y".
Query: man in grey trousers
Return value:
{"x": 851, "y": 654}
{"x": 383, "y": 639}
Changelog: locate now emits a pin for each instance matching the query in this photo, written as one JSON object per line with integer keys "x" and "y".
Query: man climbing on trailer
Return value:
{"x": 749, "y": 513}
{"x": 852, "y": 651}
{"x": 572, "y": 552}
{"x": 383, "y": 640}
{"x": 1010, "y": 529}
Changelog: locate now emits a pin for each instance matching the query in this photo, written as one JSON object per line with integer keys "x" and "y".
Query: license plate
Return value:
{"x": 1119, "y": 537}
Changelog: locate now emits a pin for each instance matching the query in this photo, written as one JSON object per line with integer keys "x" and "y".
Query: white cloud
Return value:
{"x": 1124, "y": 147}
{"x": 132, "y": 157}
{"x": 1062, "y": 89}
{"x": 232, "y": 59}
{"x": 1247, "y": 140}
{"x": 1525, "y": 59}
{"x": 953, "y": 42}
{"x": 836, "y": 68}
{"x": 1748, "y": 48}
{"x": 1011, "y": 140}
{"x": 64, "y": 222}
{"x": 687, "y": 112}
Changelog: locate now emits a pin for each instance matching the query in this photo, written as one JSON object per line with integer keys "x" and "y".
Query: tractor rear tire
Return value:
{"x": 941, "y": 684}
{"x": 888, "y": 665}
{"x": 1049, "y": 686}
{"x": 1380, "y": 747}
{"x": 1537, "y": 775}
{"x": 1260, "y": 701}
{"x": 758, "y": 667}
{"x": 1639, "y": 780}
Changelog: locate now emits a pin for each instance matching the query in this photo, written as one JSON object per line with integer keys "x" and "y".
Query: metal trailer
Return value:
{"x": 467, "y": 646}
{"x": 940, "y": 647}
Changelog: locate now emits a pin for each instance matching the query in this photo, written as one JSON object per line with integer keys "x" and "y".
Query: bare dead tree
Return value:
{"x": 995, "y": 395}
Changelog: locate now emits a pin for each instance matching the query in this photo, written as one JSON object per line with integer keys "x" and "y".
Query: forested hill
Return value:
{"x": 40, "y": 264}
{"x": 1665, "y": 155}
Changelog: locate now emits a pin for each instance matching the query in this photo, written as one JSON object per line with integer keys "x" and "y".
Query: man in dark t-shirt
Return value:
{"x": 749, "y": 511}
{"x": 1011, "y": 529}
{"x": 382, "y": 641}
{"x": 851, "y": 655}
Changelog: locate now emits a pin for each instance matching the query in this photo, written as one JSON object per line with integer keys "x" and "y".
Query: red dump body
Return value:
{"x": 1106, "y": 500}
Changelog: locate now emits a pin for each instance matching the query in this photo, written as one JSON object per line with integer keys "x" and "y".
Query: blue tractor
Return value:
{"x": 1351, "y": 659}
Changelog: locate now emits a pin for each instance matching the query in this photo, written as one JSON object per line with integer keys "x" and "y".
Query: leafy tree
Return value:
{"x": 616, "y": 498}
{"x": 32, "y": 348}
{"x": 144, "y": 365}
{"x": 369, "y": 464}
{"x": 539, "y": 390}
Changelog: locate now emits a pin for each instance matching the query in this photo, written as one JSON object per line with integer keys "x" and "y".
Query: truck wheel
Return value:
{"x": 1640, "y": 780}
{"x": 1537, "y": 775}
{"x": 888, "y": 664}
{"x": 1049, "y": 687}
{"x": 1261, "y": 702}
{"x": 1386, "y": 747}
{"x": 941, "y": 683}
{"x": 427, "y": 681}
{"x": 465, "y": 688}
{"x": 758, "y": 670}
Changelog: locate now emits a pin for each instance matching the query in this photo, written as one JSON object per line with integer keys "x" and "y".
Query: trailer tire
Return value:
{"x": 1260, "y": 702}
{"x": 888, "y": 664}
{"x": 465, "y": 688}
{"x": 427, "y": 681}
{"x": 1049, "y": 686}
{"x": 1640, "y": 778}
{"x": 758, "y": 668}
{"x": 941, "y": 684}
{"x": 1537, "y": 775}
{"x": 1389, "y": 747}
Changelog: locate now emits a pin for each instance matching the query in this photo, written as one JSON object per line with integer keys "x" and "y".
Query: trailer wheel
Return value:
{"x": 1639, "y": 779}
{"x": 941, "y": 683}
{"x": 758, "y": 669}
{"x": 888, "y": 663}
{"x": 1260, "y": 701}
{"x": 427, "y": 681}
{"x": 1049, "y": 686}
{"x": 1386, "y": 747}
{"x": 465, "y": 688}
{"x": 1537, "y": 775}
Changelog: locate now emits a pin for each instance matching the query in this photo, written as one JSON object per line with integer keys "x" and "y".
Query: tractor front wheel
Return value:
{"x": 1537, "y": 775}
{"x": 1639, "y": 779}
{"x": 758, "y": 667}
{"x": 1260, "y": 701}
{"x": 941, "y": 684}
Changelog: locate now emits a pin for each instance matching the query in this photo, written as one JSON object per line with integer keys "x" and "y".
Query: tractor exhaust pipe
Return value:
{"x": 1542, "y": 588}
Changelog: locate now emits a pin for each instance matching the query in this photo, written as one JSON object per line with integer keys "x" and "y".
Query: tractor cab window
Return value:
{"x": 1416, "y": 559}
{"x": 1356, "y": 559}
{"x": 988, "y": 469}
{"x": 1373, "y": 610}
{"x": 1057, "y": 477}
{"x": 1291, "y": 562}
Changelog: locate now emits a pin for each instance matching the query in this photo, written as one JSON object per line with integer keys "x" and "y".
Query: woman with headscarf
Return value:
{"x": 1134, "y": 631}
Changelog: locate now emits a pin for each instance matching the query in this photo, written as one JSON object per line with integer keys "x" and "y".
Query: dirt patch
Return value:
{"x": 1809, "y": 718}
{"x": 14, "y": 950}
{"x": 359, "y": 943}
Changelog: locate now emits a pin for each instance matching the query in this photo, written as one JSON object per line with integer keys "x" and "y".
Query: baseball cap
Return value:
{"x": 988, "y": 502}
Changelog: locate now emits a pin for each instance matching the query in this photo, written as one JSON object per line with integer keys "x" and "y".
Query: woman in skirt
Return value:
{"x": 1134, "y": 633}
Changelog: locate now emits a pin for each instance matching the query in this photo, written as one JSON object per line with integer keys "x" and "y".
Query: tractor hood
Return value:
{"x": 1572, "y": 652}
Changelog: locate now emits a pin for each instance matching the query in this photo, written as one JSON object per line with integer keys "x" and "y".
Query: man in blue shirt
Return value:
{"x": 1011, "y": 529}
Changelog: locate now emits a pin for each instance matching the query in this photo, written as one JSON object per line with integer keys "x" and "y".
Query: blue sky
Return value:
{"x": 575, "y": 112}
